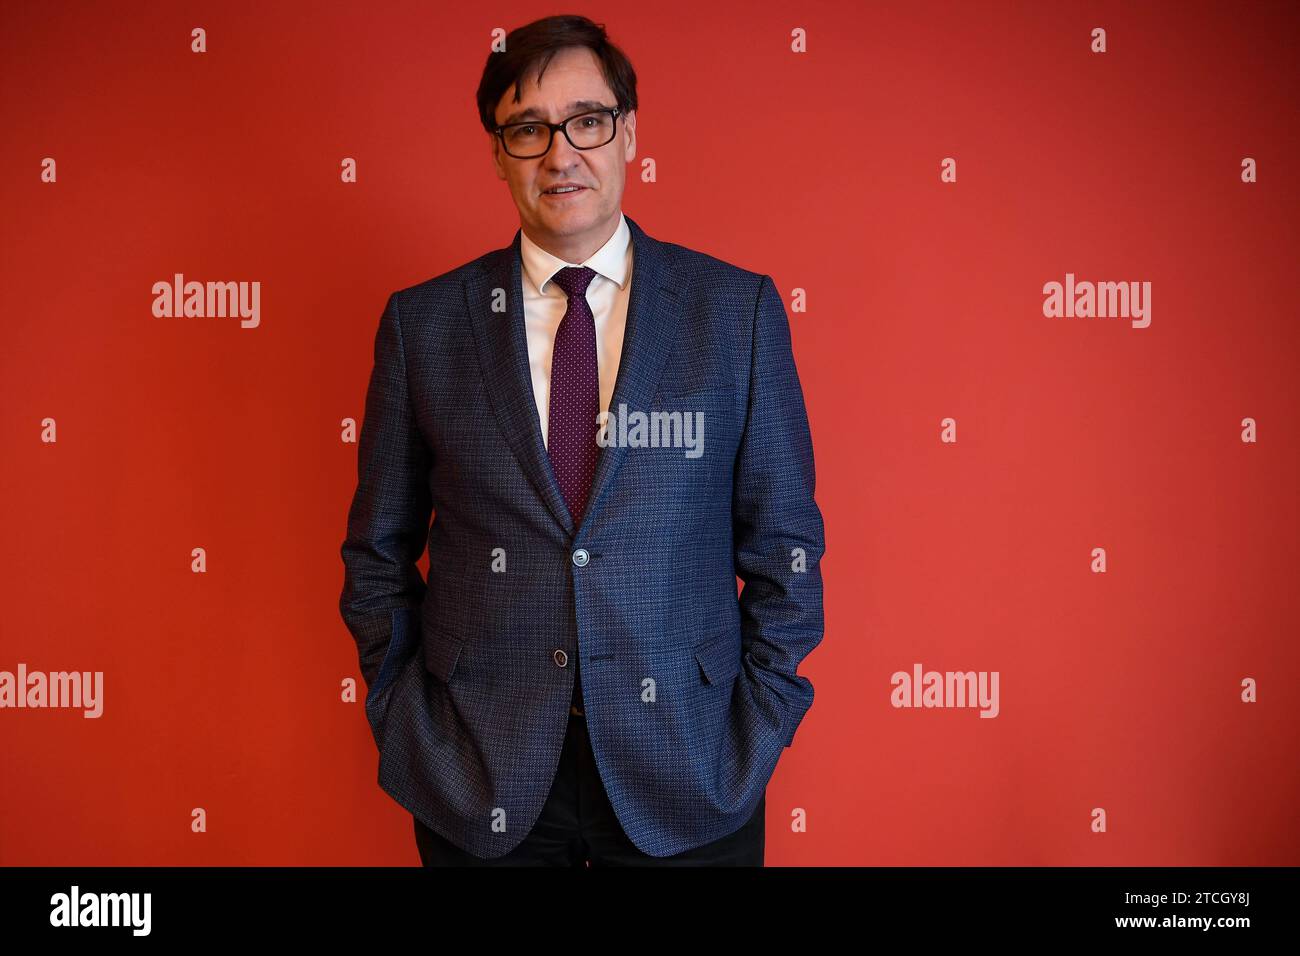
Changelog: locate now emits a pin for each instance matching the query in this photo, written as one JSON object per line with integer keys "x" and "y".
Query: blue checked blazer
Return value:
{"x": 691, "y": 692}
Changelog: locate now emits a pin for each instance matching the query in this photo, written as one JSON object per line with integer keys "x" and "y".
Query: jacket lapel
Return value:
{"x": 653, "y": 313}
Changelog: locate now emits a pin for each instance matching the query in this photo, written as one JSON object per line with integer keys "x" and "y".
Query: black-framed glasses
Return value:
{"x": 533, "y": 138}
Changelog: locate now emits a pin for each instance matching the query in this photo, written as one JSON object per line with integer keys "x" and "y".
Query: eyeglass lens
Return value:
{"x": 587, "y": 131}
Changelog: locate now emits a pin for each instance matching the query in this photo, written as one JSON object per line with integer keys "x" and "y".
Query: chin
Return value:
{"x": 572, "y": 222}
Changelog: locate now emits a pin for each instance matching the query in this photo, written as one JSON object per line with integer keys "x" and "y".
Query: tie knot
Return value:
{"x": 574, "y": 280}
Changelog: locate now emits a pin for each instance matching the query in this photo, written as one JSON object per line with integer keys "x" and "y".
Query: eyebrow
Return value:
{"x": 534, "y": 113}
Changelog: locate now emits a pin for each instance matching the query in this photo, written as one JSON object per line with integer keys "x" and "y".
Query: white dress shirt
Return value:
{"x": 545, "y": 303}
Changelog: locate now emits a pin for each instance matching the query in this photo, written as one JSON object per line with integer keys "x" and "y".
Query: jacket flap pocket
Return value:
{"x": 719, "y": 657}
{"x": 441, "y": 652}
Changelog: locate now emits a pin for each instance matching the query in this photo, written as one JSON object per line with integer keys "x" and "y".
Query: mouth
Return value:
{"x": 564, "y": 191}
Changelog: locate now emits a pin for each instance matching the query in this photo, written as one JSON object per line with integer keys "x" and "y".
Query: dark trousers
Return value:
{"x": 577, "y": 826}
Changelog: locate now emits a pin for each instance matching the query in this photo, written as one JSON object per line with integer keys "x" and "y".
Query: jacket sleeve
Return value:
{"x": 388, "y": 522}
{"x": 778, "y": 535}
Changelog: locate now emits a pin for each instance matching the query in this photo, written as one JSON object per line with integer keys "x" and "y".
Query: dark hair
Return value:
{"x": 534, "y": 44}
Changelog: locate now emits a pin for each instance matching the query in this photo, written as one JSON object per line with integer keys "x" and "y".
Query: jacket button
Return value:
{"x": 561, "y": 658}
{"x": 581, "y": 557}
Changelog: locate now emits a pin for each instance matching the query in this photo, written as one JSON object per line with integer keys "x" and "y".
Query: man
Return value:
{"x": 578, "y": 683}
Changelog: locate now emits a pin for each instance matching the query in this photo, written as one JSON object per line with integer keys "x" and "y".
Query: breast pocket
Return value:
{"x": 684, "y": 384}
{"x": 683, "y": 449}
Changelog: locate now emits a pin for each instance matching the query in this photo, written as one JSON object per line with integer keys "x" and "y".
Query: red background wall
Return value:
{"x": 1119, "y": 690}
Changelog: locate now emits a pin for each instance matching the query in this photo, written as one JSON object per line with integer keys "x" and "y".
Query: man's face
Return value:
{"x": 570, "y": 225}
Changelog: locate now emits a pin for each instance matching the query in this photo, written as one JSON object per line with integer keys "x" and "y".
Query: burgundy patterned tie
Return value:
{"x": 575, "y": 393}
{"x": 575, "y": 402}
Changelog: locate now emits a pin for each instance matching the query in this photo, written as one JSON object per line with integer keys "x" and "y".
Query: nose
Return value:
{"x": 561, "y": 154}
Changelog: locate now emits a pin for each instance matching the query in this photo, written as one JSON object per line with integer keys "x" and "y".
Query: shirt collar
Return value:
{"x": 610, "y": 260}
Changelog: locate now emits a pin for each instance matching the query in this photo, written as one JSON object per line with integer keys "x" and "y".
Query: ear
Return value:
{"x": 629, "y": 134}
{"x": 494, "y": 144}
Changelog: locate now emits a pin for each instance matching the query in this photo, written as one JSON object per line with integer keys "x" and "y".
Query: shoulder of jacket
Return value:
{"x": 705, "y": 267}
{"x": 446, "y": 283}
